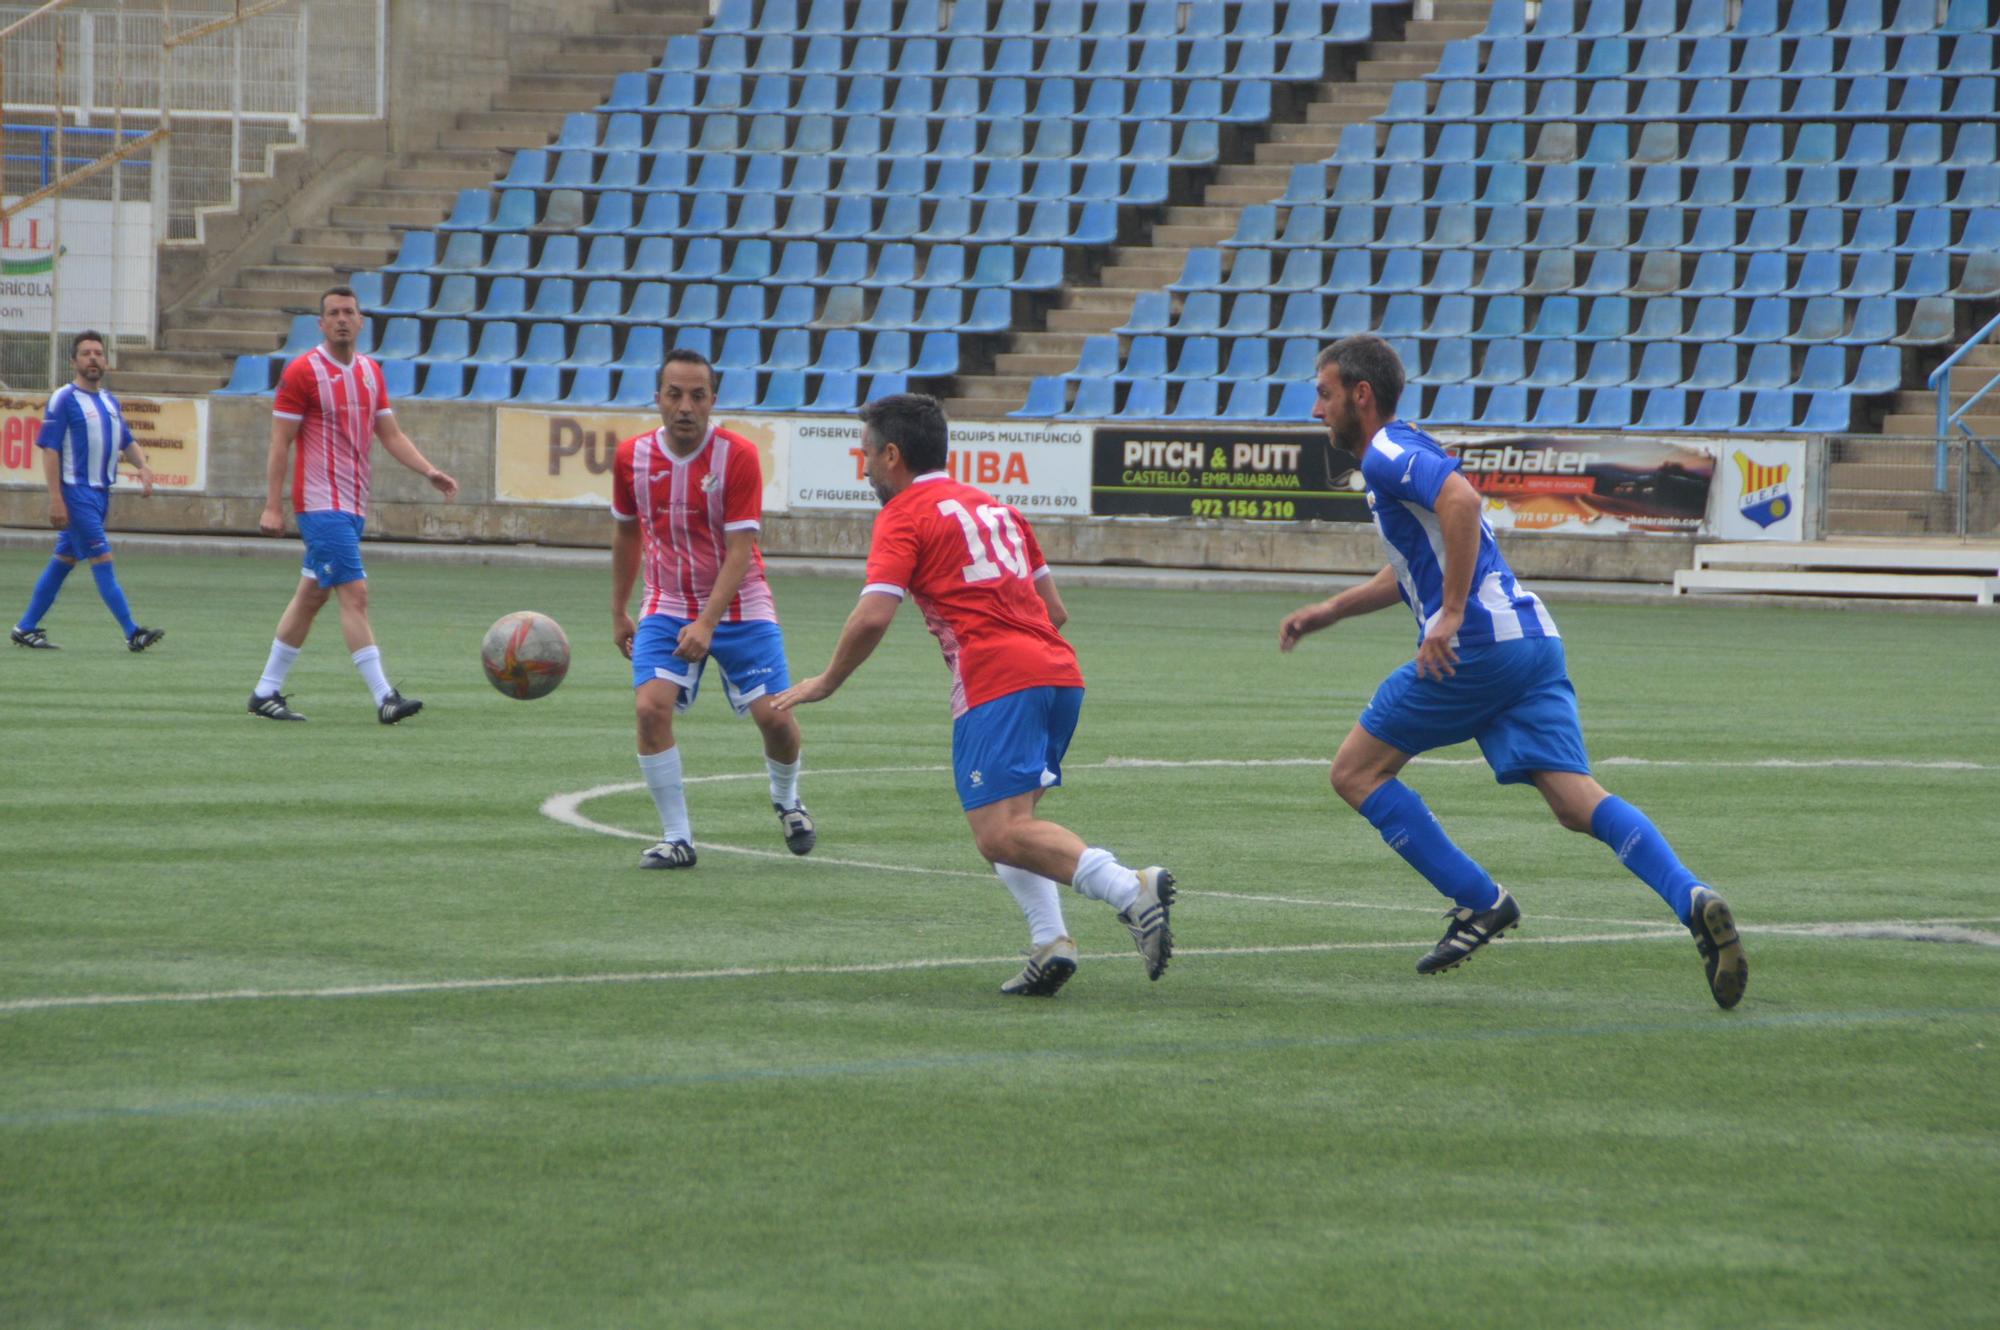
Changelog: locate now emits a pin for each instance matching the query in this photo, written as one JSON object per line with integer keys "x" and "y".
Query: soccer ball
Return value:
{"x": 525, "y": 654}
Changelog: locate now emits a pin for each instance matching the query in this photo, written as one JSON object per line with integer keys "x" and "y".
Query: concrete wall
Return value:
{"x": 446, "y": 56}
{"x": 459, "y": 438}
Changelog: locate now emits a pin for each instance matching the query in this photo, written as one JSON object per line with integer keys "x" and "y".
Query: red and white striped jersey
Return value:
{"x": 336, "y": 406}
{"x": 685, "y": 507}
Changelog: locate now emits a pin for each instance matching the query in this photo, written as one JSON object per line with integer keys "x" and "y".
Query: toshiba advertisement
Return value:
{"x": 1597, "y": 486}
{"x": 1038, "y": 467}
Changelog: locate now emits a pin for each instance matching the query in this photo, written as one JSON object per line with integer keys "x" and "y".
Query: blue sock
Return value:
{"x": 1644, "y": 851}
{"x": 46, "y": 587}
{"x": 114, "y": 596}
{"x": 1411, "y": 830}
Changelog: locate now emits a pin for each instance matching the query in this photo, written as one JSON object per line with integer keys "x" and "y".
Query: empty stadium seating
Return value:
{"x": 1612, "y": 215}
{"x": 1655, "y": 214}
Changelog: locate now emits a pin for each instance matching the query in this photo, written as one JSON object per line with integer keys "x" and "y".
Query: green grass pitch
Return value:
{"x": 786, "y": 1093}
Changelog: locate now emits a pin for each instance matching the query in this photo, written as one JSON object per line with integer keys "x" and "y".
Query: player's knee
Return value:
{"x": 995, "y": 842}
{"x": 656, "y": 722}
{"x": 1353, "y": 782}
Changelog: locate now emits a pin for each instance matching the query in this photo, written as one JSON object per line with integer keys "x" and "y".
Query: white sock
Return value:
{"x": 663, "y": 777}
{"x": 369, "y": 661}
{"x": 1039, "y": 899}
{"x": 276, "y": 668}
{"x": 1101, "y": 877}
{"x": 784, "y": 780}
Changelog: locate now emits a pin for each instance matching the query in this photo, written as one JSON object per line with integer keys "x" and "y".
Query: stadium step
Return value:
{"x": 296, "y": 299}
{"x": 345, "y": 258}
{"x": 499, "y": 140}
{"x": 347, "y": 214}
{"x": 452, "y": 178}
{"x": 436, "y": 200}
{"x": 222, "y": 341}
{"x": 538, "y": 124}
{"x": 132, "y": 384}
{"x": 310, "y": 280}
{"x": 216, "y": 317}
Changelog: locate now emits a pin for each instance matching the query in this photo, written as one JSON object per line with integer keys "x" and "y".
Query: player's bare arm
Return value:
{"x": 858, "y": 639}
{"x": 624, "y": 573}
{"x": 1458, "y": 518}
{"x": 695, "y": 636}
{"x": 272, "y": 521}
{"x": 1377, "y": 593}
{"x": 399, "y": 446}
{"x": 137, "y": 457}
{"x": 52, "y": 472}
{"x": 1045, "y": 587}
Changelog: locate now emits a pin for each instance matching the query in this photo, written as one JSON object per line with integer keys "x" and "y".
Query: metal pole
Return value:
{"x": 117, "y": 182}
{"x": 55, "y": 225}
{"x": 235, "y": 106}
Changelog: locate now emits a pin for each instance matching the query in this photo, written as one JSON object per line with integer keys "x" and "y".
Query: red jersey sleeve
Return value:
{"x": 892, "y": 553}
{"x": 1038, "y": 564}
{"x": 294, "y": 391}
{"x": 624, "y": 506}
{"x": 743, "y": 490}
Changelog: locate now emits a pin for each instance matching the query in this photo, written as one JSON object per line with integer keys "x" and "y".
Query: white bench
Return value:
{"x": 1903, "y": 571}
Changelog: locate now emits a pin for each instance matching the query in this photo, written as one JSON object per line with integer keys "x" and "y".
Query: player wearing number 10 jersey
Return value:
{"x": 978, "y": 576}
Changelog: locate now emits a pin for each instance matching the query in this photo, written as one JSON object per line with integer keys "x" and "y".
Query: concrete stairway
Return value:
{"x": 1888, "y": 487}
{"x": 1310, "y": 134}
{"x": 198, "y": 346}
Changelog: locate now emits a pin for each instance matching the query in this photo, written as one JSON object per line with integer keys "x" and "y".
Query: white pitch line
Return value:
{"x": 566, "y": 809}
{"x": 730, "y": 972}
{"x": 1897, "y": 930}
{"x": 1915, "y": 930}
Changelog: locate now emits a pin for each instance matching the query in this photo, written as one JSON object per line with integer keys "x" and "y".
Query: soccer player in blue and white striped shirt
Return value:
{"x": 84, "y": 433}
{"x": 1489, "y": 667}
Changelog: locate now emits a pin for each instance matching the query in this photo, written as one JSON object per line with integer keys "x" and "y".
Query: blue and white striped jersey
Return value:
{"x": 1404, "y": 469}
{"x": 89, "y": 430}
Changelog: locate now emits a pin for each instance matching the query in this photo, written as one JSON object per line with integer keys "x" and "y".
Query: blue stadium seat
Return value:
{"x": 1659, "y": 366}
{"x": 1558, "y": 408}
{"x": 1555, "y": 367}
{"x": 1198, "y": 400}
{"x": 251, "y": 377}
{"x": 443, "y": 383}
{"x": 1610, "y": 366}
{"x": 1047, "y": 396}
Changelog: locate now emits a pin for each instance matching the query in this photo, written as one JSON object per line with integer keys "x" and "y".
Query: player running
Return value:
{"x": 84, "y": 433}
{"x": 986, "y": 594}
{"x": 1489, "y": 667}
{"x": 690, "y": 497}
{"x": 333, "y": 402}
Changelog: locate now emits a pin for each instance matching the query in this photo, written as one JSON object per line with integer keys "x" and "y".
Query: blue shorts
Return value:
{"x": 1515, "y": 698}
{"x": 1013, "y": 744}
{"x": 750, "y": 654}
{"x": 333, "y": 547}
{"x": 84, "y": 537}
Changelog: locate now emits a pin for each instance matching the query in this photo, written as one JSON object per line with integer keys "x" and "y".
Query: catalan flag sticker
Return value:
{"x": 1767, "y": 493}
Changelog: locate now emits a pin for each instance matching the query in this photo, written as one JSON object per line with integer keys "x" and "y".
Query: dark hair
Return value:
{"x": 87, "y": 335}
{"x": 682, "y": 355}
{"x": 915, "y": 424}
{"x": 347, "y": 291}
{"x": 1366, "y": 358}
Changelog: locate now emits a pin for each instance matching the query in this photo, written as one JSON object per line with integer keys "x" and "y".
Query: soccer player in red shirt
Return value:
{"x": 689, "y": 497}
{"x": 333, "y": 402}
{"x": 978, "y": 575}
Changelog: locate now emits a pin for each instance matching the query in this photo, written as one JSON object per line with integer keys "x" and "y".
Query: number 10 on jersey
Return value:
{"x": 999, "y": 547}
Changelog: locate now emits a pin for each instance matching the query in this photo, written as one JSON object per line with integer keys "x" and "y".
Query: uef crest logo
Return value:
{"x": 1767, "y": 495}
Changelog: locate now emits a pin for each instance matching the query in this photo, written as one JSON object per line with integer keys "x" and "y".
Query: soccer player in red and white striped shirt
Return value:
{"x": 689, "y": 500}
{"x": 333, "y": 403}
